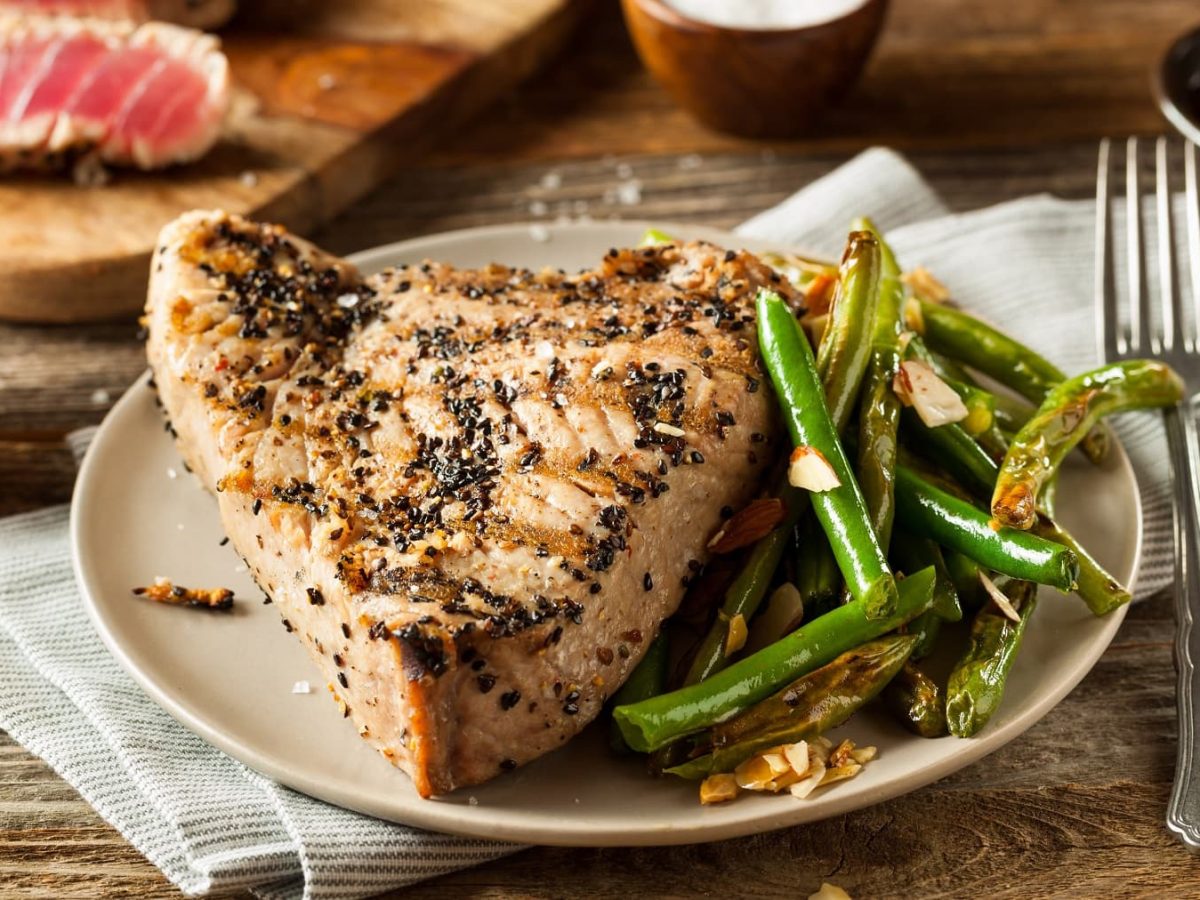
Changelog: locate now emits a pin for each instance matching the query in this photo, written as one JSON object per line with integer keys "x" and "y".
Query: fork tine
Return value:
{"x": 1172, "y": 305}
{"x": 1108, "y": 329}
{"x": 1192, "y": 189}
{"x": 1140, "y": 327}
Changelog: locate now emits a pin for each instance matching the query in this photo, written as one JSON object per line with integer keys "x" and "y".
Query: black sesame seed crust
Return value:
{"x": 482, "y": 475}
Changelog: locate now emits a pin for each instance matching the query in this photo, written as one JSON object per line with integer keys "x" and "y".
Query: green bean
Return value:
{"x": 955, "y": 450}
{"x": 809, "y": 706}
{"x": 1011, "y": 413}
{"x": 960, "y": 526}
{"x": 879, "y": 408}
{"x": 976, "y": 684}
{"x": 843, "y": 353}
{"x": 916, "y": 700}
{"x": 965, "y": 572}
{"x": 912, "y": 554}
{"x": 817, "y": 576}
{"x": 746, "y": 593}
{"x": 1069, "y": 411}
{"x": 842, "y": 510}
{"x": 648, "y": 679}
{"x": 1099, "y": 590}
{"x": 994, "y": 353}
{"x": 660, "y": 720}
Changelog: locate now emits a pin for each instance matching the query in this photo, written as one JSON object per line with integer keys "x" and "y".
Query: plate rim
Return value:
{"x": 449, "y": 818}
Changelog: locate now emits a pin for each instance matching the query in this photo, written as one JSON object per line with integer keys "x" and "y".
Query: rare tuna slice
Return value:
{"x": 192, "y": 13}
{"x": 149, "y": 95}
{"x": 473, "y": 495}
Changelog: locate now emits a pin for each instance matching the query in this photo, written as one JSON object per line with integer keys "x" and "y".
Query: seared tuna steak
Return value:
{"x": 148, "y": 95}
{"x": 474, "y": 495}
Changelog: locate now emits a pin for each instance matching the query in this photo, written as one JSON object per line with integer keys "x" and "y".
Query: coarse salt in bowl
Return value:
{"x": 758, "y": 68}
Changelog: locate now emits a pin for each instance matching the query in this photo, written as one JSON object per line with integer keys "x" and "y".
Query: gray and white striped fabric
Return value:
{"x": 210, "y": 823}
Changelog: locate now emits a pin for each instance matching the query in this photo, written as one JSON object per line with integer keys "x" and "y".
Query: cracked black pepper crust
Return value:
{"x": 440, "y": 393}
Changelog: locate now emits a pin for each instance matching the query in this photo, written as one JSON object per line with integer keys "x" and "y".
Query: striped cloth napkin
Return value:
{"x": 210, "y": 823}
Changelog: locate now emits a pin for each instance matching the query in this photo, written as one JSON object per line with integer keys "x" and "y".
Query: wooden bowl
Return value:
{"x": 753, "y": 82}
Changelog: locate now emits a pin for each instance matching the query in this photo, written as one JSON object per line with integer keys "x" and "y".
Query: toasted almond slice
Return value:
{"x": 918, "y": 386}
{"x": 841, "y": 753}
{"x": 822, "y": 744}
{"x": 809, "y": 469}
{"x": 914, "y": 319}
{"x": 797, "y": 756}
{"x": 786, "y": 780}
{"x": 840, "y": 773}
{"x": 808, "y": 784}
{"x": 829, "y": 892}
{"x": 754, "y": 774}
{"x": 749, "y": 524}
{"x": 735, "y": 640}
{"x": 924, "y": 285}
{"x": 718, "y": 788}
{"x": 863, "y": 755}
{"x": 777, "y": 762}
{"x": 999, "y": 598}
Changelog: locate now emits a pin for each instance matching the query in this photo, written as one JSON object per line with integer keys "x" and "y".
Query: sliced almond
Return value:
{"x": 840, "y": 773}
{"x": 863, "y": 755}
{"x": 809, "y": 782}
{"x": 914, "y": 320}
{"x": 749, "y": 525}
{"x": 810, "y": 470}
{"x": 841, "y": 753}
{"x": 999, "y": 598}
{"x": 924, "y": 285}
{"x": 918, "y": 386}
{"x": 718, "y": 788}
{"x": 757, "y": 772}
{"x": 735, "y": 639}
{"x": 797, "y": 756}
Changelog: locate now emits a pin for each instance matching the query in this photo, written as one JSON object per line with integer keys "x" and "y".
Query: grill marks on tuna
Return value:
{"x": 490, "y": 478}
{"x": 148, "y": 95}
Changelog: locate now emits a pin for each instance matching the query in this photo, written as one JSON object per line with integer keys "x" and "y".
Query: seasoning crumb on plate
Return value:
{"x": 163, "y": 591}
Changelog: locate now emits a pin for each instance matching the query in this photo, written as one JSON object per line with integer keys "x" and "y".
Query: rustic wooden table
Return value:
{"x": 992, "y": 101}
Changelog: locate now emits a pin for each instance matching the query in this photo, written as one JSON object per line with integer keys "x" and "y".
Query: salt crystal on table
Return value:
{"x": 248, "y": 179}
{"x": 301, "y": 687}
{"x": 171, "y": 473}
{"x": 551, "y": 181}
{"x": 624, "y": 170}
{"x": 179, "y": 526}
{"x": 629, "y": 193}
{"x": 100, "y": 397}
{"x": 538, "y": 208}
{"x": 241, "y": 567}
{"x": 539, "y": 233}
{"x": 691, "y": 161}
{"x": 473, "y": 800}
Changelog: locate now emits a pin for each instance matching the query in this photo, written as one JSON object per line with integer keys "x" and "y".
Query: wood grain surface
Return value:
{"x": 321, "y": 113}
{"x": 1073, "y": 808}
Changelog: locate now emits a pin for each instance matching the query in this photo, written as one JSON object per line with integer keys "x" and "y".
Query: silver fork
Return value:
{"x": 1175, "y": 340}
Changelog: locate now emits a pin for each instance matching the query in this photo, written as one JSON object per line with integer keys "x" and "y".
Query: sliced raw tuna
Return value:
{"x": 193, "y": 13}
{"x": 74, "y": 89}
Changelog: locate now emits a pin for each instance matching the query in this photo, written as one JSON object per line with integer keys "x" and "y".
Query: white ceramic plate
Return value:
{"x": 138, "y": 514}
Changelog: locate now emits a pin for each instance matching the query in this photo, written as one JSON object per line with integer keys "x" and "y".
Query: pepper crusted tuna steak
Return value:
{"x": 474, "y": 495}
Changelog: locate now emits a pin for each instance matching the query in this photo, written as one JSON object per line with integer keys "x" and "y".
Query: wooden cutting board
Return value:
{"x": 331, "y": 97}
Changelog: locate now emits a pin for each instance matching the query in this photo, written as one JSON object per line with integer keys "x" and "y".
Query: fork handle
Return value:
{"x": 1183, "y": 810}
